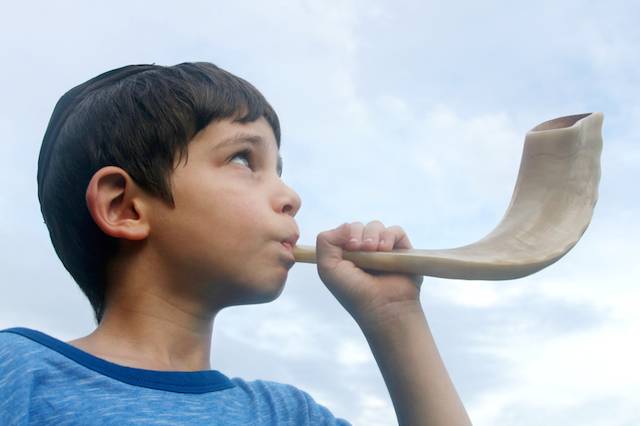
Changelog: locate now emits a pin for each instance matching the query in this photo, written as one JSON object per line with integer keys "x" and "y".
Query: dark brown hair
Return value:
{"x": 140, "y": 118}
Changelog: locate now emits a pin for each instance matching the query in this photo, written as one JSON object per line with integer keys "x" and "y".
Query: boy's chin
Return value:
{"x": 259, "y": 294}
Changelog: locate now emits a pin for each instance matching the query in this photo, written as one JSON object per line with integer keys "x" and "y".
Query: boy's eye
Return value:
{"x": 241, "y": 158}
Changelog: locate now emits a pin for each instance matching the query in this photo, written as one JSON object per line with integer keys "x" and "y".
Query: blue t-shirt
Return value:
{"x": 46, "y": 381}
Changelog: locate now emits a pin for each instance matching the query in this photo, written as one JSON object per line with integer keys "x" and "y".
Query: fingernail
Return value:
{"x": 381, "y": 242}
{"x": 353, "y": 240}
{"x": 368, "y": 240}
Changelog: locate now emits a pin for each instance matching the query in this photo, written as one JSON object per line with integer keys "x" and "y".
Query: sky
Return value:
{"x": 409, "y": 112}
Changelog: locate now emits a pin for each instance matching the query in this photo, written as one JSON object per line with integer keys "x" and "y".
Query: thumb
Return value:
{"x": 330, "y": 243}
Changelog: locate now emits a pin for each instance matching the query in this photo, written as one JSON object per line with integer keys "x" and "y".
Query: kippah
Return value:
{"x": 66, "y": 106}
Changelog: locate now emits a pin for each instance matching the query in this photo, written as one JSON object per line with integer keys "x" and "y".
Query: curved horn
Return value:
{"x": 551, "y": 207}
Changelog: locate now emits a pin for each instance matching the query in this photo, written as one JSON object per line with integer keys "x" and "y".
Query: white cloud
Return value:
{"x": 353, "y": 353}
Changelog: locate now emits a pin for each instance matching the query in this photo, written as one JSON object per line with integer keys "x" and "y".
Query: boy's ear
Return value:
{"x": 117, "y": 204}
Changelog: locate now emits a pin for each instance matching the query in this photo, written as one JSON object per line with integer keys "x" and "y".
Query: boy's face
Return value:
{"x": 229, "y": 237}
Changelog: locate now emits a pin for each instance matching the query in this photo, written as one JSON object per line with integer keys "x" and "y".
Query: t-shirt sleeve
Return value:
{"x": 13, "y": 383}
{"x": 288, "y": 405}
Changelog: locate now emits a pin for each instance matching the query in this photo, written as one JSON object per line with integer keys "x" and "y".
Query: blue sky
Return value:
{"x": 409, "y": 112}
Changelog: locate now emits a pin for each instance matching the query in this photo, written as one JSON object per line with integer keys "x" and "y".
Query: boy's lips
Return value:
{"x": 289, "y": 242}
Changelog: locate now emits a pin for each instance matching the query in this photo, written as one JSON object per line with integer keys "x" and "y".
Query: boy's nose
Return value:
{"x": 289, "y": 201}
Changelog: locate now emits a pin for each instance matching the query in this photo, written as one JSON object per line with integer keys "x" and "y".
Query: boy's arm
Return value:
{"x": 387, "y": 309}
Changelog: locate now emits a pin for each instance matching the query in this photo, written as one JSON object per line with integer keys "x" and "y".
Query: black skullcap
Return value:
{"x": 67, "y": 104}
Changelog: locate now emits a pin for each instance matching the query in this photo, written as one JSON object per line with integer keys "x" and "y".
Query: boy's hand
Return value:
{"x": 370, "y": 297}
{"x": 387, "y": 308}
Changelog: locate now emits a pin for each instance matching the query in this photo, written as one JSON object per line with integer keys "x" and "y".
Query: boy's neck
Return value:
{"x": 145, "y": 327}
{"x": 148, "y": 341}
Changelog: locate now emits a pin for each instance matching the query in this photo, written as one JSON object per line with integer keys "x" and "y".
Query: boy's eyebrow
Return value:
{"x": 253, "y": 139}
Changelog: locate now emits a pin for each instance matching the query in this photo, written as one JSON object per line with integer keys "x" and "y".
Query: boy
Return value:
{"x": 161, "y": 190}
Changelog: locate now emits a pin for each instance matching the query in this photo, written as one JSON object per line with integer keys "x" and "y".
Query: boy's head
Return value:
{"x": 140, "y": 118}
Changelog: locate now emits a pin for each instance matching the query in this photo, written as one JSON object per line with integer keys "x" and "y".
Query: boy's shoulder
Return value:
{"x": 18, "y": 360}
{"x": 17, "y": 351}
{"x": 21, "y": 361}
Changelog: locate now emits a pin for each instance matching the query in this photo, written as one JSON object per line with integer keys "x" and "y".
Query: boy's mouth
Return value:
{"x": 287, "y": 245}
{"x": 289, "y": 242}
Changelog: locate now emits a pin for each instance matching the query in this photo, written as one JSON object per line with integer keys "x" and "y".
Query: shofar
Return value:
{"x": 551, "y": 207}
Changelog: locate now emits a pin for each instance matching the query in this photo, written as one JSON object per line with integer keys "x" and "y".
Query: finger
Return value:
{"x": 355, "y": 239}
{"x": 371, "y": 237}
{"x": 394, "y": 237}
